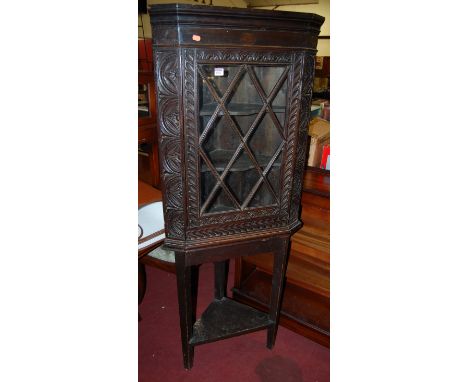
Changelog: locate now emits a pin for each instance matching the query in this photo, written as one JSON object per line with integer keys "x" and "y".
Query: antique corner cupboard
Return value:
{"x": 234, "y": 89}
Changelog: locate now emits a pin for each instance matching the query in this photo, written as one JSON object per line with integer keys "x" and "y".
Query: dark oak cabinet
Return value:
{"x": 234, "y": 89}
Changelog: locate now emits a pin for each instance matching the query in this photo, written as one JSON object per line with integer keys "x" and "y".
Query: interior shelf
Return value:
{"x": 238, "y": 109}
{"x": 227, "y": 318}
{"x": 220, "y": 158}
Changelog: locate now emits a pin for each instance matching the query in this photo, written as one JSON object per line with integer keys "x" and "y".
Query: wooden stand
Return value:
{"x": 225, "y": 317}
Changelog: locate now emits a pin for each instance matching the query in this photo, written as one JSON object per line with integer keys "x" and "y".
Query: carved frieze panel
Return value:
{"x": 170, "y": 140}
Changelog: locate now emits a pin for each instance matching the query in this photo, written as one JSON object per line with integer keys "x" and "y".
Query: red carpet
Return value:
{"x": 240, "y": 359}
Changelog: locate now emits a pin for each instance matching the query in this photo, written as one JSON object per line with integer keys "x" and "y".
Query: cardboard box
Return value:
{"x": 319, "y": 131}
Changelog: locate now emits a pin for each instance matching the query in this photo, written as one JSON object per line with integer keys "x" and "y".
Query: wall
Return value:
{"x": 146, "y": 23}
{"x": 323, "y": 9}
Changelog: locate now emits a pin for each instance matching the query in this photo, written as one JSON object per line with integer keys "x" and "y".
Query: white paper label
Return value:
{"x": 219, "y": 72}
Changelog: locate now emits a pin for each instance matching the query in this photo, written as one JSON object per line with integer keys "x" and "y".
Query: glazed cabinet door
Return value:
{"x": 241, "y": 114}
{"x": 240, "y": 130}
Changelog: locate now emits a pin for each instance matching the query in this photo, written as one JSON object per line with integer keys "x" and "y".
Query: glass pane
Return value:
{"x": 279, "y": 103}
{"x": 273, "y": 175}
{"x": 240, "y": 159}
{"x": 244, "y": 121}
{"x": 143, "y": 100}
{"x": 242, "y": 176}
{"x": 265, "y": 140}
{"x": 263, "y": 197}
{"x": 245, "y": 99}
{"x": 207, "y": 108}
{"x": 220, "y": 77}
{"x": 207, "y": 183}
{"x": 268, "y": 76}
{"x": 220, "y": 143}
{"x": 221, "y": 202}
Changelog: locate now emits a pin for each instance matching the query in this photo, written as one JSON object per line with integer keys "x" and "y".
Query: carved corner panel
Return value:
{"x": 305, "y": 99}
{"x": 170, "y": 138}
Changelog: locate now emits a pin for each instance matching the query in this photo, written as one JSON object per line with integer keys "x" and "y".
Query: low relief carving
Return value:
{"x": 235, "y": 228}
{"x": 292, "y": 127}
{"x": 305, "y": 101}
{"x": 191, "y": 136}
{"x": 242, "y": 215}
{"x": 226, "y": 55}
{"x": 170, "y": 141}
{"x": 166, "y": 72}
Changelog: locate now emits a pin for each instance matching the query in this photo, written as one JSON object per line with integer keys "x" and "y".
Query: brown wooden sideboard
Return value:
{"x": 306, "y": 303}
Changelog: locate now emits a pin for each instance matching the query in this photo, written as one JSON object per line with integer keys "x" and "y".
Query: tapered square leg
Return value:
{"x": 221, "y": 269}
{"x": 187, "y": 287}
{"x": 279, "y": 275}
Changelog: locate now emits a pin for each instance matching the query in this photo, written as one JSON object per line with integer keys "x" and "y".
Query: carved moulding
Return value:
{"x": 169, "y": 136}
